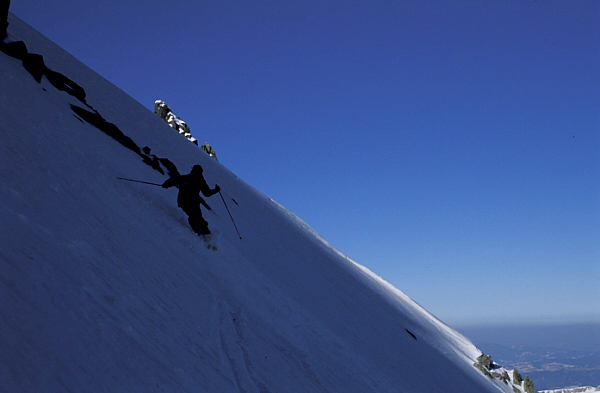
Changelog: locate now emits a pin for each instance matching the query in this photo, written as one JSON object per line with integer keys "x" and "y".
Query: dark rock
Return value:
{"x": 482, "y": 369}
{"x": 517, "y": 378}
{"x": 528, "y": 385}
{"x": 163, "y": 111}
{"x": 210, "y": 151}
{"x": 485, "y": 361}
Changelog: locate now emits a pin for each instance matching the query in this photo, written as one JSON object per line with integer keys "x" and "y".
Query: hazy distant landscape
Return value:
{"x": 554, "y": 357}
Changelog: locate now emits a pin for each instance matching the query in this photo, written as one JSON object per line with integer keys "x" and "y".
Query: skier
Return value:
{"x": 189, "y": 198}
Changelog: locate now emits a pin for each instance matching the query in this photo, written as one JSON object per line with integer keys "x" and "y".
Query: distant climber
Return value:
{"x": 189, "y": 198}
{"x": 209, "y": 150}
{"x": 4, "y": 6}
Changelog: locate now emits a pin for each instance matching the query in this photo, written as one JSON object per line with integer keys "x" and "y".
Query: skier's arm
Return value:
{"x": 207, "y": 192}
{"x": 172, "y": 181}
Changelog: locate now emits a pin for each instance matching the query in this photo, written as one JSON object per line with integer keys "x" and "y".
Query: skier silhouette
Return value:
{"x": 189, "y": 198}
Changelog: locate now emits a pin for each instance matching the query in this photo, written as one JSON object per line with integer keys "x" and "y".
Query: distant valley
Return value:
{"x": 550, "y": 369}
{"x": 555, "y": 357}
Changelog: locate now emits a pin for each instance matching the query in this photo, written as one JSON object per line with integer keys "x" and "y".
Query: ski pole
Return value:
{"x": 223, "y": 199}
{"x": 139, "y": 181}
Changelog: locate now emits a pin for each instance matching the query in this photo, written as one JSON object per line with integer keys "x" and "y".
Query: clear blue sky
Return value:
{"x": 451, "y": 147}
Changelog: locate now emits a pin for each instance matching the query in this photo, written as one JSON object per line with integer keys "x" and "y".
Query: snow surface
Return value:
{"x": 582, "y": 389}
{"x": 104, "y": 288}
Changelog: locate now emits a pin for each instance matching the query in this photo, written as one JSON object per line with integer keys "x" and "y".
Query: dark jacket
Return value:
{"x": 190, "y": 187}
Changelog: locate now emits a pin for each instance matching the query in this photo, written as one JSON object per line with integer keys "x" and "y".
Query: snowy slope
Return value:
{"x": 105, "y": 289}
{"x": 582, "y": 389}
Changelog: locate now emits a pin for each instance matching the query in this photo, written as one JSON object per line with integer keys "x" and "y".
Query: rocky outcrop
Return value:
{"x": 517, "y": 378}
{"x": 163, "y": 111}
{"x": 485, "y": 363}
{"x": 528, "y": 385}
{"x": 483, "y": 370}
{"x": 209, "y": 150}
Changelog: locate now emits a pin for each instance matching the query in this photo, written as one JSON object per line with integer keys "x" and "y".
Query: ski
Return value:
{"x": 210, "y": 240}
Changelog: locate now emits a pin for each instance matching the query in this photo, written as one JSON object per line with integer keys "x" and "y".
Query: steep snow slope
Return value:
{"x": 103, "y": 287}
